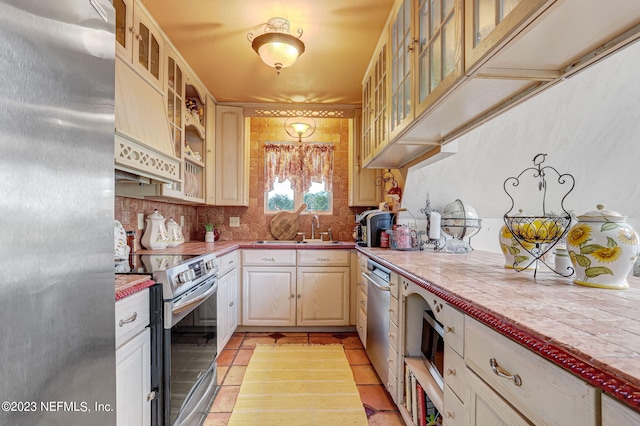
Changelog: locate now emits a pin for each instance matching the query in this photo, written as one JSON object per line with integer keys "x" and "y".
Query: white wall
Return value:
{"x": 589, "y": 125}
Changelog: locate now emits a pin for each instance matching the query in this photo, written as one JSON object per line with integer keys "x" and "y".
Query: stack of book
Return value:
{"x": 418, "y": 403}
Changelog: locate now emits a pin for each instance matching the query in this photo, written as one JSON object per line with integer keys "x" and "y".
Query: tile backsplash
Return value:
{"x": 254, "y": 224}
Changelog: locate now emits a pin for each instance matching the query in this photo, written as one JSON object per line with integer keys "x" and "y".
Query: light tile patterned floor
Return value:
{"x": 234, "y": 358}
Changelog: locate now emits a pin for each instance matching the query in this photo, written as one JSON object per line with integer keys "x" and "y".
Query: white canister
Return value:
{"x": 155, "y": 235}
{"x": 603, "y": 248}
{"x": 174, "y": 232}
{"x": 562, "y": 262}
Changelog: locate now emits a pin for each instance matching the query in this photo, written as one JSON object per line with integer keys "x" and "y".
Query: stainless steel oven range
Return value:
{"x": 186, "y": 358}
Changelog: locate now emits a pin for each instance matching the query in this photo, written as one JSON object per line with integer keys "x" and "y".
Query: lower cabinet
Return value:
{"x": 290, "y": 296}
{"x": 296, "y": 288}
{"x": 133, "y": 360}
{"x": 322, "y": 295}
{"x": 361, "y": 300}
{"x": 227, "y": 306}
{"x": 268, "y": 295}
{"x": 485, "y": 407}
{"x": 615, "y": 413}
{"x": 532, "y": 387}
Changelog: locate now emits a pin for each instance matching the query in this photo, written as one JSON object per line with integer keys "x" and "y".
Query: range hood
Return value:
{"x": 143, "y": 143}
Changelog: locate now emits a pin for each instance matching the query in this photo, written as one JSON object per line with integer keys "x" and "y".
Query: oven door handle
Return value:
{"x": 374, "y": 282}
{"x": 195, "y": 301}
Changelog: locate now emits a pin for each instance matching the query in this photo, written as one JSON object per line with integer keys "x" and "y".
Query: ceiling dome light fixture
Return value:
{"x": 276, "y": 46}
{"x": 300, "y": 127}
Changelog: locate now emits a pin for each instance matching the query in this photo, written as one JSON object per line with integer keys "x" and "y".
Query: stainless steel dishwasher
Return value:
{"x": 378, "y": 299}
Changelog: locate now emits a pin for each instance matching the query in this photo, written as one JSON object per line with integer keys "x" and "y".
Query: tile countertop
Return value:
{"x": 221, "y": 248}
{"x": 127, "y": 284}
{"x": 594, "y": 333}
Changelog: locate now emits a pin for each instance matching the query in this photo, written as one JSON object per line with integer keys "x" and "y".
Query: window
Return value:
{"x": 296, "y": 174}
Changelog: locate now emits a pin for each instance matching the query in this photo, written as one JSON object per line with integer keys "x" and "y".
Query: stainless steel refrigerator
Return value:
{"x": 57, "y": 343}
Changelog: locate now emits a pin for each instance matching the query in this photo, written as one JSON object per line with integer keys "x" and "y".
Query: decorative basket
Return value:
{"x": 538, "y": 229}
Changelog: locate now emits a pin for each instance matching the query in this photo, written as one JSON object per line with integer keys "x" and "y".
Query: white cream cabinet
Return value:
{"x": 133, "y": 360}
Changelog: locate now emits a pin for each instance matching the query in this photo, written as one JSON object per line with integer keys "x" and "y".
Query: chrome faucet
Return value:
{"x": 314, "y": 221}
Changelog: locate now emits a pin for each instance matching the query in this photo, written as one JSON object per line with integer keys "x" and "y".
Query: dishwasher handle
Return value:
{"x": 381, "y": 287}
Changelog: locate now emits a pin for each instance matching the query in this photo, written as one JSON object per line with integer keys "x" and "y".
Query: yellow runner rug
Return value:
{"x": 298, "y": 385}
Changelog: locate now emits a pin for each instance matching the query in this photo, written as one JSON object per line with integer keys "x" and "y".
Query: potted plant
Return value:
{"x": 212, "y": 233}
{"x": 209, "y": 236}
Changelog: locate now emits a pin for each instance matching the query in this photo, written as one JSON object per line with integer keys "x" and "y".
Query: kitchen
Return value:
{"x": 570, "y": 122}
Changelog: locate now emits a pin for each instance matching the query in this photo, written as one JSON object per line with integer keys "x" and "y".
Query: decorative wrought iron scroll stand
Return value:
{"x": 537, "y": 235}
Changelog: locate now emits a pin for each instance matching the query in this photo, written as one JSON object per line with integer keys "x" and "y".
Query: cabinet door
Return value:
{"x": 439, "y": 50}
{"x": 222, "y": 305}
{"x": 323, "y": 296}
{"x": 269, "y": 295}
{"x": 234, "y": 301}
{"x": 133, "y": 381}
{"x": 148, "y": 47}
{"x": 615, "y": 413}
{"x": 485, "y": 407}
{"x": 209, "y": 158}
{"x": 489, "y": 23}
{"x": 363, "y": 190}
{"x": 124, "y": 28}
{"x": 402, "y": 44}
{"x": 231, "y": 158}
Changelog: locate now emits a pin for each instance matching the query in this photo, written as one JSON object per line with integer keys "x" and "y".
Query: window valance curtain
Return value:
{"x": 302, "y": 164}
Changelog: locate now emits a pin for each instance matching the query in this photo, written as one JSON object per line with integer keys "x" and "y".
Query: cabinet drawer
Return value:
{"x": 268, "y": 257}
{"x": 453, "y": 409}
{"x": 454, "y": 371}
{"x": 394, "y": 360}
{"x": 392, "y": 385}
{"x": 615, "y": 413}
{"x": 546, "y": 395}
{"x": 394, "y": 310}
{"x": 324, "y": 257}
{"x": 132, "y": 316}
{"x": 228, "y": 262}
{"x": 362, "y": 326}
{"x": 393, "y": 335}
{"x": 453, "y": 323}
{"x": 362, "y": 299}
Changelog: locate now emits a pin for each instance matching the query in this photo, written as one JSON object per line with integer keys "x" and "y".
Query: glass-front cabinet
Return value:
{"x": 138, "y": 40}
{"x": 401, "y": 46}
{"x": 375, "y": 122}
{"x": 426, "y": 53}
{"x": 439, "y": 49}
{"x": 186, "y": 117}
{"x": 488, "y": 23}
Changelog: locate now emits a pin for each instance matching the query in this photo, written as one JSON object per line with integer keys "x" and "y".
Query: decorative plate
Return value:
{"x": 120, "y": 241}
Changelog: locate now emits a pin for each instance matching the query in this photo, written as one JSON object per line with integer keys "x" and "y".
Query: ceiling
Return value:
{"x": 339, "y": 36}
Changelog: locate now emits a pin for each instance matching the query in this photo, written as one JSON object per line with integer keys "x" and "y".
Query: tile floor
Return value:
{"x": 234, "y": 358}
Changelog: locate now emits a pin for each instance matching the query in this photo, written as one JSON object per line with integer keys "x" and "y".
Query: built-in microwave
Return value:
{"x": 432, "y": 347}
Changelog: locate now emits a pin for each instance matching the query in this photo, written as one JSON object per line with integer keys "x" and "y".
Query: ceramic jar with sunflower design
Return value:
{"x": 515, "y": 255}
{"x": 603, "y": 248}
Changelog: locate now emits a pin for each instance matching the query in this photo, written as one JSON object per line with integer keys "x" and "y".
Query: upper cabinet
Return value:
{"x": 139, "y": 41}
{"x": 231, "y": 157}
{"x": 363, "y": 191}
{"x": 161, "y": 112}
{"x": 400, "y": 52}
{"x": 454, "y": 64}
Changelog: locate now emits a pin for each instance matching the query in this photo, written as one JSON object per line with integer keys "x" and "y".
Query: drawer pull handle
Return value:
{"x": 449, "y": 329}
{"x": 500, "y": 372}
{"x": 131, "y": 318}
{"x": 268, "y": 259}
{"x": 451, "y": 371}
{"x": 450, "y": 414}
{"x": 322, "y": 259}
